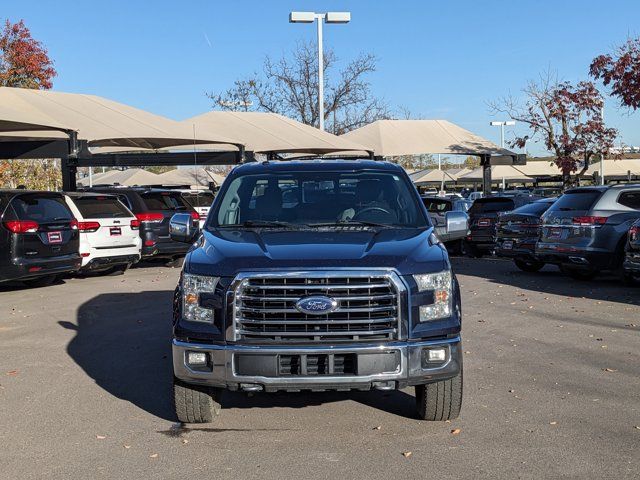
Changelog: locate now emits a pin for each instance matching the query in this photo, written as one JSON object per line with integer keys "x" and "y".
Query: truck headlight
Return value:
{"x": 192, "y": 287}
{"x": 441, "y": 285}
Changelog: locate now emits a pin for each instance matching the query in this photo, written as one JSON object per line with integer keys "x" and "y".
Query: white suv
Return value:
{"x": 109, "y": 239}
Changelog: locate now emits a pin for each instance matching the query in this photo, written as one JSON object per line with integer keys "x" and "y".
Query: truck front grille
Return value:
{"x": 265, "y": 309}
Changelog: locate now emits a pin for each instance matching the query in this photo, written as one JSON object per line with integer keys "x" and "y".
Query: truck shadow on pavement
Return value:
{"x": 123, "y": 342}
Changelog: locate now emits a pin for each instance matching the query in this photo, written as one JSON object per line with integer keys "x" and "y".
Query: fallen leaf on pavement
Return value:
{"x": 100, "y": 437}
{"x": 553, "y": 423}
{"x": 455, "y": 431}
{"x": 377, "y": 428}
{"x": 126, "y": 446}
{"x": 12, "y": 372}
{"x": 185, "y": 441}
{"x": 407, "y": 454}
{"x": 609, "y": 369}
{"x": 153, "y": 455}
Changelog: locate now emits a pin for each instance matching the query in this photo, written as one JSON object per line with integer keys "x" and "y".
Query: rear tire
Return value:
{"x": 441, "y": 400}
{"x": 40, "y": 282}
{"x": 195, "y": 403}
{"x": 530, "y": 266}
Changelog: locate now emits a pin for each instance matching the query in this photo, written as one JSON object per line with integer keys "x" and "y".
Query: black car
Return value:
{"x": 632, "y": 254}
{"x": 39, "y": 237}
{"x": 154, "y": 208}
{"x": 517, "y": 232}
{"x": 483, "y": 216}
{"x": 585, "y": 230}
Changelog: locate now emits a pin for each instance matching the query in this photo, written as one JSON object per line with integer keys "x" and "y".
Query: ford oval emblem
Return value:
{"x": 316, "y": 305}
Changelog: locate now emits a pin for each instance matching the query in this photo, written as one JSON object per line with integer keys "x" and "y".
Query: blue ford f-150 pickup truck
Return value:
{"x": 316, "y": 275}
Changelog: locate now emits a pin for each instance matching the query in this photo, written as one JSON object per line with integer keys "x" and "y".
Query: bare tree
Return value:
{"x": 568, "y": 118}
{"x": 289, "y": 86}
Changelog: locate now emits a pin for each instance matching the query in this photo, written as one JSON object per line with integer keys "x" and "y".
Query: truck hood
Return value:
{"x": 227, "y": 252}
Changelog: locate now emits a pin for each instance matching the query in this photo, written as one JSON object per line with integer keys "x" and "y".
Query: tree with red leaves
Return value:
{"x": 24, "y": 62}
{"x": 567, "y": 118}
{"x": 621, "y": 71}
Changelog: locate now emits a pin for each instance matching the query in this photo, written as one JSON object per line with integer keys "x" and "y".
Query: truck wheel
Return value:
{"x": 195, "y": 403}
{"x": 441, "y": 400}
{"x": 528, "y": 265}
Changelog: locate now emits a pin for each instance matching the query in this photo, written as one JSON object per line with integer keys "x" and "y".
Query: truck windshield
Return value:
{"x": 319, "y": 198}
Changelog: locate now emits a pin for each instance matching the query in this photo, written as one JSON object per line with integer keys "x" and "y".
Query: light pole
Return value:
{"x": 329, "y": 17}
{"x": 502, "y": 125}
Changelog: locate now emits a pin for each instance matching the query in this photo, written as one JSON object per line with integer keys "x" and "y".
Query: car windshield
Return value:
{"x": 535, "y": 208}
{"x": 577, "y": 200}
{"x": 199, "y": 199}
{"x": 437, "y": 205}
{"x": 41, "y": 208}
{"x": 491, "y": 205}
{"x": 164, "y": 201}
{"x": 298, "y": 199}
{"x": 101, "y": 207}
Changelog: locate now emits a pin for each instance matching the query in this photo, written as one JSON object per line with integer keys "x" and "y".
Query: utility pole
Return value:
{"x": 329, "y": 17}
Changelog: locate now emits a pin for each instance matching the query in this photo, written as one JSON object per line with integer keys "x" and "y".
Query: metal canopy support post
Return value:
{"x": 485, "y": 162}
{"x": 69, "y": 163}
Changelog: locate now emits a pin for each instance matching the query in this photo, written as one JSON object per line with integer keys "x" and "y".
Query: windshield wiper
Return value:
{"x": 263, "y": 224}
{"x": 346, "y": 223}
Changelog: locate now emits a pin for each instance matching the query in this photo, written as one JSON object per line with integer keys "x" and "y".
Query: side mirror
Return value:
{"x": 181, "y": 228}
{"x": 457, "y": 223}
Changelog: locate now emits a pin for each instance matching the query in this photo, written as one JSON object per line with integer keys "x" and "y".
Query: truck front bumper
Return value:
{"x": 385, "y": 366}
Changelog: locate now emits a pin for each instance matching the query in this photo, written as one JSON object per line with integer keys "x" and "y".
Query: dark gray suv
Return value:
{"x": 585, "y": 231}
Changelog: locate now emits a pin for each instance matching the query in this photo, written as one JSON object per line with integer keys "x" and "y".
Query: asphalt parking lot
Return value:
{"x": 552, "y": 389}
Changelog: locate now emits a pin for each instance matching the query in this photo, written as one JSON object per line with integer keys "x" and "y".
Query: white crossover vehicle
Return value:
{"x": 109, "y": 238}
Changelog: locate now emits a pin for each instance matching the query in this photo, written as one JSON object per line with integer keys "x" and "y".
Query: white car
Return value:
{"x": 109, "y": 238}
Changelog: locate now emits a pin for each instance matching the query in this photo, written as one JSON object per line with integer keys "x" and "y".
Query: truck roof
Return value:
{"x": 315, "y": 165}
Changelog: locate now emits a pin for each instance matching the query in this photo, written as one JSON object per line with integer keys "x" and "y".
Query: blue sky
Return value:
{"x": 440, "y": 59}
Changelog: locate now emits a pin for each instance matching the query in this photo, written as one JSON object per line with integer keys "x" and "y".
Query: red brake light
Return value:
{"x": 88, "y": 226}
{"x": 195, "y": 215}
{"x": 74, "y": 224}
{"x": 135, "y": 224}
{"x": 150, "y": 217}
{"x": 589, "y": 221}
{"x": 21, "y": 226}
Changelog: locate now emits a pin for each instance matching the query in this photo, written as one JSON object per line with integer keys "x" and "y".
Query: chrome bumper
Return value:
{"x": 222, "y": 370}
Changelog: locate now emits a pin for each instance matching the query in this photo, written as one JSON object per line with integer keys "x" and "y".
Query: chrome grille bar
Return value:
{"x": 265, "y": 310}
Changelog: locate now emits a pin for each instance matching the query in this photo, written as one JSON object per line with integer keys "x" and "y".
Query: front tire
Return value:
{"x": 530, "y": 266}
{"x": 441, "y": 400}
{"x": 195, "y": 403}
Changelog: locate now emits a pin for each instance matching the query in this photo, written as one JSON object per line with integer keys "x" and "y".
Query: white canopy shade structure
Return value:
{"x": 99, "y": 121}
{"x": 616, "y": 168}
{"x": 130, "y": 177}
{"x": 270, "y": 133}
{"x": 432, "y": 177}
{"x": 193, "y": 177}
{"x": 391, "y": 138}
{"x": 539, "y": 169}
{"x": 499, "y": 173}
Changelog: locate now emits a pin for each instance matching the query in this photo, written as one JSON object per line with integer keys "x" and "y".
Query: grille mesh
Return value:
{"x": 367, "y": 309}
